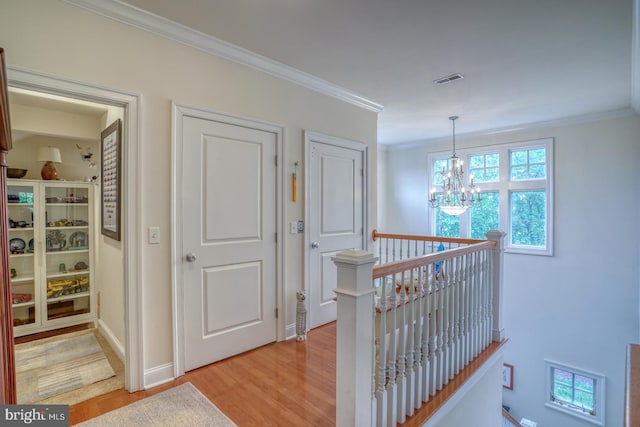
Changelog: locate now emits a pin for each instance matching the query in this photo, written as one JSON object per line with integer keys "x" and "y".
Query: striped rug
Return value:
{"x": 183, "y": 405}
{"x": 53, "y": 366}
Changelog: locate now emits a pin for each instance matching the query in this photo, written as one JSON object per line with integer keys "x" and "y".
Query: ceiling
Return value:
{"x": 524, "y": 62}
{"x": 45, "y": 101}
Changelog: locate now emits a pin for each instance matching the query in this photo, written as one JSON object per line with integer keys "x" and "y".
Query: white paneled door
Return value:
{"x": 228, "y": 204}
{"x": 336, "y": 215}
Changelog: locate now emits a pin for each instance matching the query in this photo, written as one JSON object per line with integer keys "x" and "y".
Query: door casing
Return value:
{"x": 131, "y": 240}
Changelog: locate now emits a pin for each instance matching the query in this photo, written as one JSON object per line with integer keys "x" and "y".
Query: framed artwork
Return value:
{"x": 111, "y": 180}
{"x": 507, "y": 376}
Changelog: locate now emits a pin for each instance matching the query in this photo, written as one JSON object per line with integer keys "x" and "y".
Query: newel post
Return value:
{"x": 355, "y": 341}
{"x": 497, "y": 255}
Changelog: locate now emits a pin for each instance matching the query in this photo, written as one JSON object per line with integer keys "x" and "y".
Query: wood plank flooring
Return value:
{"x": 281, "y": 384}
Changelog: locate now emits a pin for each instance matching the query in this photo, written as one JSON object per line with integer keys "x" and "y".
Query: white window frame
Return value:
{"x": 505, "y": 187}
{"x": 599, "y": 393}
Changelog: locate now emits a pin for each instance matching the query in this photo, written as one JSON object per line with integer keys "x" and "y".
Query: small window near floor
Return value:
{"x": 575, "y": 392}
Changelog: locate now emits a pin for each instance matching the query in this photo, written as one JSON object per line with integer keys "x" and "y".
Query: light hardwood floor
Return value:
{"x": 281, "y": 384}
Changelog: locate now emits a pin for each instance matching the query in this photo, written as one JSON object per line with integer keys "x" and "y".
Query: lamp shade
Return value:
{"x": 49, "y": 154}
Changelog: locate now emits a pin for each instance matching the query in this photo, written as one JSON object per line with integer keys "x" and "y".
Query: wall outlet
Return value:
{"x": 300, "y": 227}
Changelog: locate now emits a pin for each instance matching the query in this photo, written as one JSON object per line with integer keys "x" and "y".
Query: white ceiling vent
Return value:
{"x": 448, "y": 79}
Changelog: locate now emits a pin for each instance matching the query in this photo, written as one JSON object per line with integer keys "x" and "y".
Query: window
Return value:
{"x": 575, "y": 392}
{"x": 485, "y": 167}
{"x": 516, "y": 185}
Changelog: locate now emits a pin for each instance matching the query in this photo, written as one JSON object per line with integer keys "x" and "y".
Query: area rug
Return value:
{"x": 179, "y": 406}
{"x": 54, "y": 366}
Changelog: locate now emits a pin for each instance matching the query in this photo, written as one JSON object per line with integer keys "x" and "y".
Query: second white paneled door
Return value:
{"x": 336, "y": 178}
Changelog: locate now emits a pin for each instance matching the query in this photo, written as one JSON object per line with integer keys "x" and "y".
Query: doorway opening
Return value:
{"x": 42, "y": 108}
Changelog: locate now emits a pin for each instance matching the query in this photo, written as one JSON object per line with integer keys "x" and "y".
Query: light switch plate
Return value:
{"x": 154, "y": 235}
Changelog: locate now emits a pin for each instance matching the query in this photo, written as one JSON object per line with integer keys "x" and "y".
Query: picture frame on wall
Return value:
{"x": 110, "y": 148}
{"x": 507, "y": 376}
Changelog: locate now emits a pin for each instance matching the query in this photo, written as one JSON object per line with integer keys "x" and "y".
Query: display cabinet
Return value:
{"x": 52, "y": 232}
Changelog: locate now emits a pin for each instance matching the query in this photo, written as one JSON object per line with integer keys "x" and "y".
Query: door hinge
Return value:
{"x": 276, "y": 312}
{"x": 361, "y": 172}
{"x": 276, "y": 237}
{"x": 275, "y": 160}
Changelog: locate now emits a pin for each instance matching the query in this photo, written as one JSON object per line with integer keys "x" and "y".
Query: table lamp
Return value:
{"x": 49, "y": 155}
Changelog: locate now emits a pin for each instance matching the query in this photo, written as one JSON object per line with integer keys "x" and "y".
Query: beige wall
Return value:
{"x": 39, "y": 127}
{"x": 56, "y": 38}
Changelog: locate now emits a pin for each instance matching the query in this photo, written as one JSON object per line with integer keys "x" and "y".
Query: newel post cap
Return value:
{"x": 355, "y": 257}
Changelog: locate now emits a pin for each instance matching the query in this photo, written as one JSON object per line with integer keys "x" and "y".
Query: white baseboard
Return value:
{"x": 290, "y": 331}
{"x": 158, "y": 375}
{"x": 116, "y": 345}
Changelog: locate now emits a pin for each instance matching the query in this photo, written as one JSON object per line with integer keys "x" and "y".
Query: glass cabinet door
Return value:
{"x": 67, "y": 251}
{"x": 22, "y": 254}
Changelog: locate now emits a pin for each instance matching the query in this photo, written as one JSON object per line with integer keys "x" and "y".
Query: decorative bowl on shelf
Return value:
{"x": 16, "y": 173}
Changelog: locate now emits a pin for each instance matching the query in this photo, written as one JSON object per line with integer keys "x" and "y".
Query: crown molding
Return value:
{"x": 138, "y": 18}
{"x": 565, "y": 121}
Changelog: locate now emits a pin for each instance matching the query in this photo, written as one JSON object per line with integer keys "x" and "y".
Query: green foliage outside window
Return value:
{"x": 528, "y": 164}
{"x": 574, "y": 389}
{"x": 528, "y": 218}
{"x": 485, "y": 167}
{"x": 485, "y": 216}
{"x": 446, "y": 225}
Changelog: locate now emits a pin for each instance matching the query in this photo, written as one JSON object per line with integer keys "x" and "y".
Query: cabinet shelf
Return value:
{"x": 66, "y": 251}
{"x": 68, "y": 297}
{"x": 68, "y": 274}
{"x": 30, "y": 254}
{"x": 24, "y": 304}
{"x": 22, "y": 279}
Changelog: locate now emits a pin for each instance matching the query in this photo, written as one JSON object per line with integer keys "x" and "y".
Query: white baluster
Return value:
{"x": 433, "y": 336}
{"x": 440, "y": 321}
{"x": 411, "y": 320}
{"x": 381, "y": 391}
{"x": 401, "y": 356}
{"x": 392, "y": 388}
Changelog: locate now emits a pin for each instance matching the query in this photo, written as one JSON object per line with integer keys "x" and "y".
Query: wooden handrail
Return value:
{"x": 632, "y": 387}
{"x": 510, "y": 418}
{"x": 375, "y": 235}
{"x": 421, "y": 261}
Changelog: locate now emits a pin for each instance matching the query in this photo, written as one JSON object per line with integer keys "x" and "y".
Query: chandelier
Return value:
{"x": 455, "y": 198}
